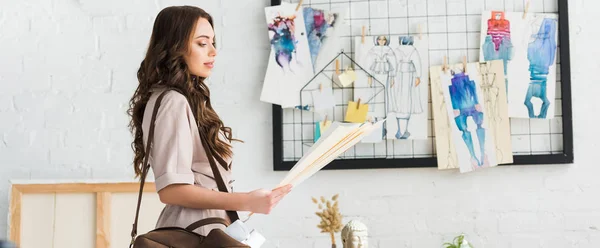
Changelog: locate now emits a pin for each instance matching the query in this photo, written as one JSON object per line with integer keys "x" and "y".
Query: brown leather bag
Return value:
{"x": 177, "y": 237}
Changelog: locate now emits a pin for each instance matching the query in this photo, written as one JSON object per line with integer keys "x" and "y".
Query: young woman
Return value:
{"x": 181, "y": 54}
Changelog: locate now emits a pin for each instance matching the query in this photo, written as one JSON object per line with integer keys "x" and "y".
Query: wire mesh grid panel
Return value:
{"x": 324, "y": 80}
{"x": 453, "y": 30}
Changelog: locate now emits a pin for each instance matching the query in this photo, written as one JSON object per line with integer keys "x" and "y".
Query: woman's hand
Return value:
{"x": 263, "y": 201}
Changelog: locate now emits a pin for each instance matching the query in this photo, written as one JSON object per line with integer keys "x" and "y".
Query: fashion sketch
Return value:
{"x": 404, "y": 92}
{"x": 465, "y": 104}
{"x": 445, "y": 149}
{"x": 496, "y": 108}
{"x": 541, "y": 54}
{"x": 497, "y": 44}
{"x": 527, "y": 47}
{"x": 381, "y": 63}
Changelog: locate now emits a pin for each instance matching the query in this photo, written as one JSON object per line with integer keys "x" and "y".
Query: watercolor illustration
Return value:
{"x": 541, "y": 54}
{"x": 467, "y": 108}
{"x": 528, "y": 47}
{"x": 289, "y": 66}
{"x": 497, "y": 44}
{"x": 320, "y": 28}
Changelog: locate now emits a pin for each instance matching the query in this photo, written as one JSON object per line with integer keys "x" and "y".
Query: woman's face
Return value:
{"x": 201, "y": 56}
{"x": 381, "y": 40}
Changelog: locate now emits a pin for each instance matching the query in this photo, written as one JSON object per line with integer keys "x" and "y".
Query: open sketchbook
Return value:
{"x": 338, "y": 138}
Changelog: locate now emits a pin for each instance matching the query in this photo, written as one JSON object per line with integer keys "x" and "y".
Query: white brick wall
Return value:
{"x": 67, "y": 69}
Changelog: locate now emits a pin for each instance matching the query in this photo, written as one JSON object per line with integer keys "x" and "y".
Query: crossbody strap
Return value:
{"x": 233, "y": 216}
{"x": 146, "y": 165}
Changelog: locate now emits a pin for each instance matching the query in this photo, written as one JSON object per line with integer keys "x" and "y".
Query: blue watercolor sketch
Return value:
{"x": 497, "y": 44}
{"x": 317, "y": 23}
{"x": 283, "y": 41}
{"x": 541, "y": 54}
{"x": 465, "y": 103}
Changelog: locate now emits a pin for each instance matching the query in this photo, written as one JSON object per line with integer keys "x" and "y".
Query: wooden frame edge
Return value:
{"x": 103, "y": 216}
{"x": 103, "y": 196}
{"x": 15, "y": 215}
{"x": 83, "y": 187}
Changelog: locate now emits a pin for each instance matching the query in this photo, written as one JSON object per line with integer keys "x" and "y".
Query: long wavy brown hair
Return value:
{"x": 164, "y": 65}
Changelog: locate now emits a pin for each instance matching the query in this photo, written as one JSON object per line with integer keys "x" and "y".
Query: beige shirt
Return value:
{"x": 178, "y": 157}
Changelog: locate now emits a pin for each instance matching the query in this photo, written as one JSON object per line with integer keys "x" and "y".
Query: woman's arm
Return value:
{"x": 190, "y": 196}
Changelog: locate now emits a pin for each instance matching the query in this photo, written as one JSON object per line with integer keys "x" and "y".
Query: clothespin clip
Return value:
{"x": 362, "y": 35}
{"x": 358, "y": 104}
{"x": 464, "y": 64}
{"x": 299, "y": 5}
{"x": 337, "y": 67}
{"x": 321, "y": 87}
{"x": 445, "y": 64}
{"x": 526, "y": 9}
{"x": 325, "y": 121}
{"x": 420, "y": 31}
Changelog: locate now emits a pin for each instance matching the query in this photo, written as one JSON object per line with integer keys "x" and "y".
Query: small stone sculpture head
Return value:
{"x": 355, "y": 235}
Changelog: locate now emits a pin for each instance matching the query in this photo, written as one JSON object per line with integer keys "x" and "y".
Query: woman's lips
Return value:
{"x": 209, "y": 64}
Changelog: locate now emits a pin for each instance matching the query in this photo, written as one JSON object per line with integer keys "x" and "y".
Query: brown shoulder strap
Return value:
{"x": 233, "y": 215}
{"x": 146, "y": 164}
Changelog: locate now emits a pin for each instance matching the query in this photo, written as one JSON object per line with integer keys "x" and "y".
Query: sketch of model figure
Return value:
{"x": 491, "y": 94}
{"x": 382, "y": 61}
{"x": 404, "y": 96}
{"x": 497, "y": 44}
{"x": 540, "y": 53}
{"x": 445, "y": 126}
{"x": 465, "y": 103}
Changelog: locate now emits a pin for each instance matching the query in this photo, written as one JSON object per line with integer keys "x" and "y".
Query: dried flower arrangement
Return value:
{"x": 331, "y": 219}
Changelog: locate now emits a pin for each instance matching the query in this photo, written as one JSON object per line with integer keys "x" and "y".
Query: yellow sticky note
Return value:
{"x": 346, "y": 78}
{"x": 356, "y": 115}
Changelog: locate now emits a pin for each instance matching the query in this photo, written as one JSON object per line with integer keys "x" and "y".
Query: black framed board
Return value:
{"x": 546, "y": 141}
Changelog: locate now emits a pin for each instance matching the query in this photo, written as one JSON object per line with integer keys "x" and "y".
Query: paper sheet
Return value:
{"x": 336, "y": 140}
{"x": 528, "y": 48}
{"x": 290, "y": 66}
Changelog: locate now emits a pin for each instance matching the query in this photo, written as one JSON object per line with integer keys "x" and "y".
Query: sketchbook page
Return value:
{"x": 376, "y": 135}
{"x": 289, "y": 67}
{"x": 316, "y": 151}
{"x": 473, "y": 139}
{"x": 324, "y": 158}
{"x": 336, "y": 132}
{"x": 345, "y": 144}
{"x": 297, "y": 167}
{"x": 491, "y": 81}
{"x": 528, "y": 48}
{"x": 444, "y": 142}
